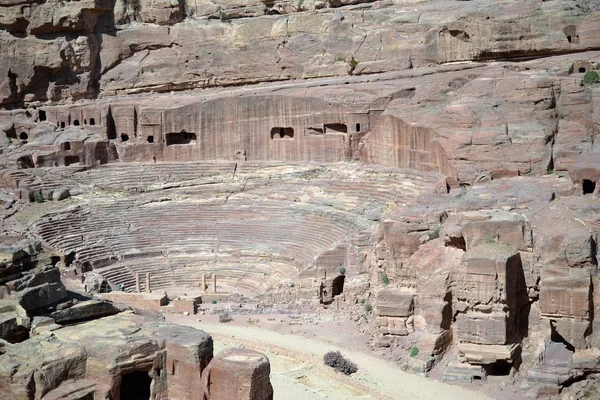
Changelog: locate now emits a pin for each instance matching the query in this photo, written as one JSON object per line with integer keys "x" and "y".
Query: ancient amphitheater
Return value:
{"x": 200, "y": 198}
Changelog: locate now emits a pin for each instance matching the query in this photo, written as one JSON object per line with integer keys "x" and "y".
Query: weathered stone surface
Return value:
{"x": 238, "y": 374}
{"x": 85, "y": 310}
{"x": 467, "y": 121}
{"x": 394, "y": 303}
{"x": 145, "y": 301}
{"x": 33, "y": 368}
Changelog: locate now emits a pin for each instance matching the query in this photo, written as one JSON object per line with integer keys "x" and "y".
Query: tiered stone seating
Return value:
{"x": 268, "y": 221}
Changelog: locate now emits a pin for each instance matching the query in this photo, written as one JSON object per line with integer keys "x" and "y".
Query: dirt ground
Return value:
{"x": 295, "y": 346}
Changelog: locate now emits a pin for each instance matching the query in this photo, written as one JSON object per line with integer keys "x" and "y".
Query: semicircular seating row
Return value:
{"x": 260, "y": 233}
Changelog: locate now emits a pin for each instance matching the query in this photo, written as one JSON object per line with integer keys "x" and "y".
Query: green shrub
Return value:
{"x": 342, "y": 270}
{"x": 214, "y": 301}
{"x": 590, "y": 78}
{"x": 38, "y": 198}
{"x": 222, "y": 14}
{"x": 292, "y": 285}
{"x": 489, "y": 239}
{"x": 435, "y": 234}
{"x": 414, "y": 351}
{"x": 384, "y": 278}
{"x": 353, "y": 63}
{"x": 368, "y": 307}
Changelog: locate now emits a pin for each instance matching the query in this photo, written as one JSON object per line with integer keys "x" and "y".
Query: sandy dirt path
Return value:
{"x": 298, "y": 372}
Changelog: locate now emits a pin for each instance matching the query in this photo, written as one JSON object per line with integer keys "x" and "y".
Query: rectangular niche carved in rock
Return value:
{"x": 315, "y": 131}
{"x": 69, "y": 160}
{"x": 278, "y": 133}
{"x": 336, "y": 128}
{"x": 180, "y": 138}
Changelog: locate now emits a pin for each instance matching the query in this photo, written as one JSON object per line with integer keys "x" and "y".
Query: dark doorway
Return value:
{"x": 337, "y": 286}
{"x": 571, "y": 34}
{"x": 62, "y": 124}
{"x": 499, "y": 368}
{"x": 357, "y": 127}
{"x": 92, "y": 121}
{"x": 124, "y": 137}
{"x": 76, "y": 122}
{"x": 135, "y": 386}
{"x": 111, "y": 129}
{"x": 150, "y": 139}
{"x": 581, "y": 70}
{"x": 588, "y": 186}
{"x": 69, "y": 160}
{"x": 180, "y": 138}
{"x": 282, "y": 133}
{"x": 336, "y": 128}
{"x": 42, "y": 115}
{"x": 67, "y": 146}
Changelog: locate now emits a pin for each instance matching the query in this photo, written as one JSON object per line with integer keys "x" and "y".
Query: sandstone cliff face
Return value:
{"x": 55, "y": 50}
{"x": 452, "y": 176}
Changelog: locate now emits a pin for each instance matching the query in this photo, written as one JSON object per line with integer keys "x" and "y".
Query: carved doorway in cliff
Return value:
{"x": 337, "y": 286}
{"x": 588, "y": 186}
{"x": 135, "y": 386}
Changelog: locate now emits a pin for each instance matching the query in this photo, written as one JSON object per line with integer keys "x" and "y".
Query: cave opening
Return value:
{"x": 70, "y": 160}
{"x": 588, "y": 186}
{"x": 582, "y": 70}
{"x": 336, "y": 128}
{"x": 135, "y": 386}
{"x": 182, "y": 137}
{"x": 124, "y": 137}
{"x": 337, "y": 286}
{"x": 76, "y": 122}
{"x": 92, "y": 121}
{"x": 282, "y": 133}
{"x": 111, "y": 128}
{"x": 499, "y": 368}
{"x": 571, "y": 34}
{"x": 23, "y": 136}
{"x": 150, "y": 139}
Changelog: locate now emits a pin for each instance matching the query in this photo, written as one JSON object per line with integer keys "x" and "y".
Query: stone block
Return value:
{"x": 488, "y": 354}
{"x": 394, "y": 303}
{"x": 565, "y": 292}
{"x": 505, "y": 227}
{"x": 434, "y": 345}
{"x": 144, "y": 301}
{"x": 482, "y": 328}
{"x": 238, "y": 374}
{"x": 587, "y": 359}
{"x": 457, "y": 371}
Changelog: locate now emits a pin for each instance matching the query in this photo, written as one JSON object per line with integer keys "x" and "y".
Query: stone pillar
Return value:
{"x": 214, "y": 283}
{"x": 203, "y": 283}
{"x": 137, "y": 282}
{"x": 148, "y": 282}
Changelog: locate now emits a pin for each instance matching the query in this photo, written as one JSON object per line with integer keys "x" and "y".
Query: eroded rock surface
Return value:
{"x": 428, "y": 167}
